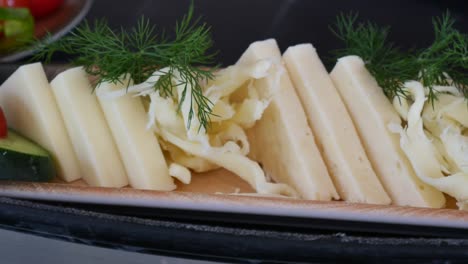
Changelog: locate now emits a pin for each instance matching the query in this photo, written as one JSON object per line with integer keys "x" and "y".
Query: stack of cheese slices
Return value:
{"x": 325, "y": 135}
{"x": 85, "y": 139}
{"x": 338, "y": 144}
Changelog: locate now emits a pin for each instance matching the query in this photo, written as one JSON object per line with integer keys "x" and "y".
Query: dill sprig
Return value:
{"x": 107, "y": 54}
{"x": 444, "y": 62}
{"x": 383, "y": 59}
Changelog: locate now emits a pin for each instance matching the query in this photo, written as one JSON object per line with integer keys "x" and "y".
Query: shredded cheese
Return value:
{"x": 237, "y": 105}
{"x": 180, "y": 172}
{"x": 433, "y": 140}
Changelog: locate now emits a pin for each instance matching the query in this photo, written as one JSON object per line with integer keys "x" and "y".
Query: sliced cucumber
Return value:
{"x": 23, "y": 160}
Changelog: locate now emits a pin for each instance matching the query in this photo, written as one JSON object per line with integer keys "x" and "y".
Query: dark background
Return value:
{"x": 236, "y": 24}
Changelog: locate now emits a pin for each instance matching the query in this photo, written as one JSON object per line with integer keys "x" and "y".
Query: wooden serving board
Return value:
{"x": 215, "y": 192}
{"x": 217, "y": 181}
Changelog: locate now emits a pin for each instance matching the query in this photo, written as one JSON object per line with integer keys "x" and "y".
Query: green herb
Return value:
{"x": 108, "y": 54}
{"x": 445, "y": 62}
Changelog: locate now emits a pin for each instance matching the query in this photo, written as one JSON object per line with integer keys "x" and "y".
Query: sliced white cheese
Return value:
{"x": 342, "y": 150}
{"x": 31, "y": 109}
{"x": 281, "y": 140}
{"x": 92, "y": 140}
{"x": 372, "y": 114}
{"x": 139, "y": 147}
{"x": 427, "y": 161}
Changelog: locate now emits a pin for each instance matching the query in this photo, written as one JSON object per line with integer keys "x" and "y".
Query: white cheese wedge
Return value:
{"x": 341, "y": 148}
{"x": 282, "y": 141}
{"x": 30, "y": 108}
{"x": 139, "y": 147}
{"x": 92, "y": 140}
{"x": 372, "y": 113}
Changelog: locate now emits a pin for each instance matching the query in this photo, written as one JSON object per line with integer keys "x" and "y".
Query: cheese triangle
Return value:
{"x": 372, "y": 112}
{"x": 139, "y": 148}
{"x": 342, "y": 150}
{"x": 92, "y": 140}
{"x": 282, "y": 141}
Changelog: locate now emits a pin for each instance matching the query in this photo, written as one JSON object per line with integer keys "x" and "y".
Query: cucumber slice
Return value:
{"x": 23, "y": 160}
{"x": 16, "y": 28}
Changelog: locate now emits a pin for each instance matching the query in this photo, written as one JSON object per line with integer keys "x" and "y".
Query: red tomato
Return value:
{"x": 15, "y": 3}
{"x": 3, "y": 125}
{"x": 42, "y": 8}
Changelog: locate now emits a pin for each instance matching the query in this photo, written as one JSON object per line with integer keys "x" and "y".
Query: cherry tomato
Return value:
{"x": 42, "y": 8}
{"x": 3, "y": 125}
{"x": 15, "y": 3}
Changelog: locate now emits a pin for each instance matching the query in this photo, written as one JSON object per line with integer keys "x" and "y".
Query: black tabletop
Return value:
{"x": 235, "y": 24}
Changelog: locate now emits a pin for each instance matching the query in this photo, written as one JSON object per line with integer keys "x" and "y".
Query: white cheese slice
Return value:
{"x": 342, "y": 150}
{"x": 372, "y": 113}
{"x": 281, "y": 140}
{"x": 31, "y": 109}
{"x": 139, "y": 148}
{"x": 92, "y": 140}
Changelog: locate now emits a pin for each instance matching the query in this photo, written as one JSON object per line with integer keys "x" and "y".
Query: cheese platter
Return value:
{"x": 272, "y": 135}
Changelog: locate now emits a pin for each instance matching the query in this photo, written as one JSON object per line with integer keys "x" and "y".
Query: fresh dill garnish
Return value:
{"x": 108, "y": 54}
{"x": 383, "y": 60}
{"x": 444, "y": 62}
